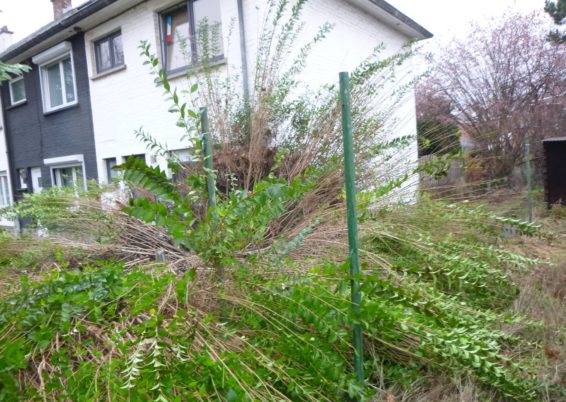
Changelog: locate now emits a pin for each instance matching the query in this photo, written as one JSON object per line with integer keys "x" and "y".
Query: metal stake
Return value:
{"x": 207, "y": 150}
{"x": 350, "y": 181}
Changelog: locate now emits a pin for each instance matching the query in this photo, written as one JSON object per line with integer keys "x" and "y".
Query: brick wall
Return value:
{"x": 128, "y": 99}
{"x": 33, "y": 136}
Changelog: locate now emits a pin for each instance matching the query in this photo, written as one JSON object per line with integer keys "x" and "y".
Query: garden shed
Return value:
{"x": 555, "y": 170}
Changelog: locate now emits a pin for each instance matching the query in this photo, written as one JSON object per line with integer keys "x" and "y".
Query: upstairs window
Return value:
{"x": 57, "y": 74}
{"x": 109, "y": 52}
{"x": 17, "y": 91}
{"x": 191, "y": 32}
{"x": 58, "y": 84}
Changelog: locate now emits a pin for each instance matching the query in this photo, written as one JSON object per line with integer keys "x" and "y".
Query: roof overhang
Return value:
{"x": 389, "y": 15}
{"x": 554, "y": 139}
{"x": 79, "y": 19}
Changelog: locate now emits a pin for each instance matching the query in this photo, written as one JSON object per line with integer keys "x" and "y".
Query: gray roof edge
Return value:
{"x": 554, "y": 139}
{"x": 70, "y": 18}
{"x": 403, "y": 18}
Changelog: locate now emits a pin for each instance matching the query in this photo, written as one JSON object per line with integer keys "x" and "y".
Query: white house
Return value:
{"x": 124, "y": 96}
{"x": 73, "y": 116}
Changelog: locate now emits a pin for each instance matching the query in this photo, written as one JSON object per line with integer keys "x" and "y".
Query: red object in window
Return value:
{"x": 168, "y": 33}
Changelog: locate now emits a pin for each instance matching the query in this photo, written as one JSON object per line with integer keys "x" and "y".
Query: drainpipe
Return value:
{"x": 243, "y": 52}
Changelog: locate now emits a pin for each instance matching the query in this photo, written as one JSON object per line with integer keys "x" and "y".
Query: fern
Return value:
{"x": 150, "y": 178}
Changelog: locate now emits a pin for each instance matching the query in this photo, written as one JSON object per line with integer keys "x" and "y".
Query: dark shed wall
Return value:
{"x": 555, "y": 171}
{"x": 33, "y": 136}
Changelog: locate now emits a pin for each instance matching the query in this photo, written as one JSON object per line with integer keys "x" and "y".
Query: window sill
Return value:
{"x": 61, "y": 108}
{"x": 196, "y": 68}
{"x": 108, "y": 72}
{"x": 16, "y": 105}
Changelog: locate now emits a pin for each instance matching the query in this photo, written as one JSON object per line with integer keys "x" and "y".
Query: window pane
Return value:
{"x": 208, "y": 28}
{"x": 103, "y": 55}
{"x": 66, "y": 176}
{"x": 78, "y": 177}
{"x": 18, "y": 91}
{"x": 111, "y": 174}
{"x": 118, "y": 51}
{"x": 69, "y": 82}
{"x": 71, "y": 176}
{"x": 182, "y": 155}
{"x": 54, "y": 83}
{"x": 177, "y": 45}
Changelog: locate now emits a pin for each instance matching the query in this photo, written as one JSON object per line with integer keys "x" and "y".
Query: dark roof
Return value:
{"x": 555, "y": 139}
{"x": 402, "y": 17}
{"x": 70, "y": 18}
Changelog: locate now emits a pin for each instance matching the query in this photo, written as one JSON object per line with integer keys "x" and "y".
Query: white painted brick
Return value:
{"x": 127, "y": 100}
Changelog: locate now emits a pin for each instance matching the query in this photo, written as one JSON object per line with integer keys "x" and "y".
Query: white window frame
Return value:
{"x": 51, "y": 56}
{"x": 66, "y": 162}
{"x": 57, "y": 175}
{"x": 12, "y": 102}
{"x": 5, "y": 198}
{"x": 45, "y": 91}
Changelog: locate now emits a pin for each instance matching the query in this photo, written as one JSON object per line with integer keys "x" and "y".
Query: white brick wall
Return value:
{"x": 127, "y": 100}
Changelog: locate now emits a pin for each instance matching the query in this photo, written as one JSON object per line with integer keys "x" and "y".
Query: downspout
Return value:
{"x": 243, "y": 53}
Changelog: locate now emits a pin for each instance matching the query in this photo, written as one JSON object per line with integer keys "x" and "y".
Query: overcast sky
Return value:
{"x": 444, "y": 18}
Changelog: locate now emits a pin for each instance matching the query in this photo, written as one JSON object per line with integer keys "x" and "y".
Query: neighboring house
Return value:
{"x": 73, "y": 116}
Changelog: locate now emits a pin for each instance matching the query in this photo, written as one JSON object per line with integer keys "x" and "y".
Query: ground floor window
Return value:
{"x": 136, "y": 156}
{"x": 110, "y": 172}
{"x": 68, "y": 176}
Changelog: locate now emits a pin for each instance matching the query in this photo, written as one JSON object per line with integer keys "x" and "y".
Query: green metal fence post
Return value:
{"x": 207, "y": 151}
{"x": 350, "y": 181}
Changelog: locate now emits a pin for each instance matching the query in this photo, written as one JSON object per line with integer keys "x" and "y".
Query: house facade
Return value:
{"x": 48, "y": 120}
{"x": 73, "y": 116}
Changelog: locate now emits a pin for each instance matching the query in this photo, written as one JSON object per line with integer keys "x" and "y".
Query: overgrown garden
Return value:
{"x": 165, "y": 296}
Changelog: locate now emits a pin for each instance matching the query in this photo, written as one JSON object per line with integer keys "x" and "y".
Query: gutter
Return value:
{"x": 243, "y": 52}
{"x": 389, "y": 9}
{"x": 73, "y": 17}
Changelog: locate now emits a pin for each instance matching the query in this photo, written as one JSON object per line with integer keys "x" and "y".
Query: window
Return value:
{"x": 109, "y": 52}
{"x": 138, "y": 156}
{"x": 191, "y": 33}
{"x": 180, "y": 155}
{"x": 67, "y": 171}
{"x": 57, "y": 75}
{"x": 68, "y": 176}
{"x": 4, "y": 190}
{"x": 58, "y": 84}
{"x": 180, "y": 166}
{"x": 17, "y": 91}
{"x": 111, "y": 174}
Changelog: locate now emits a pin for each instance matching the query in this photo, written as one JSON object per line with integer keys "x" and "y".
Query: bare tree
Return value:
{"x": 505, "y": 83}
